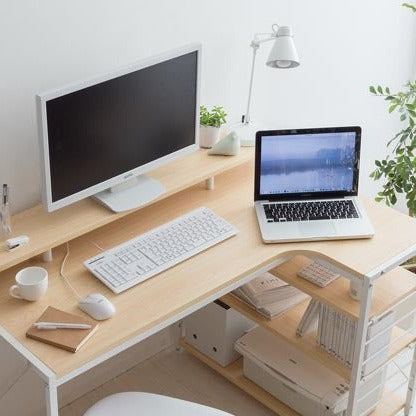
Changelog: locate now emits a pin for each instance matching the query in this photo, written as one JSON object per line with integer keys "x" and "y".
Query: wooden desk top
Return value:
{"x": 164, "y": 296}
{"x": 48, "y": 230}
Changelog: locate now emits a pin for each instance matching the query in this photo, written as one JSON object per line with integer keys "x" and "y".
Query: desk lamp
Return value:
{"x": 282, "y": 56}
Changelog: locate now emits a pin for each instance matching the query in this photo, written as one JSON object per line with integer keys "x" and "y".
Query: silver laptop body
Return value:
{"x": 306, "y": 183}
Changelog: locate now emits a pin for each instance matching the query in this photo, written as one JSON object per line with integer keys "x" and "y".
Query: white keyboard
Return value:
{"x": 318, "y": 274}
{"x": 159, "y": 249}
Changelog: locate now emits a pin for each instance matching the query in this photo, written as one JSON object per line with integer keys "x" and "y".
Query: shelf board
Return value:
{"x": 285, "y": 326}
{"x": 389, "y": 288}
{"x": 389, "y": 405}
{"x": 234, "y": 374}
{"x": 49, "y": 230}
{"x": 404, "y": 341}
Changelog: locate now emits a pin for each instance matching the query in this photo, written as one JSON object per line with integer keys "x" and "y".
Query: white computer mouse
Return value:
{"x": 97, "y": 306}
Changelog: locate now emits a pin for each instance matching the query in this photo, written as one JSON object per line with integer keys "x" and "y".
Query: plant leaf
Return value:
{"x": 409, "y": 6}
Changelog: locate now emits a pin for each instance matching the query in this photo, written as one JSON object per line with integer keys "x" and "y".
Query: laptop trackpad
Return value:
{"x": 317, "y": 228}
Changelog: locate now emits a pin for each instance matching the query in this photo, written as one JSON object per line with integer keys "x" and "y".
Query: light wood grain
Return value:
{"x": 234, "y": 373}
{"x": 48, "y": 230}
{"x": 390, "y": 403}
{"x": 389, "y": 289}
{"x": 164, "y": 296}
{"x": 285, "y": 326}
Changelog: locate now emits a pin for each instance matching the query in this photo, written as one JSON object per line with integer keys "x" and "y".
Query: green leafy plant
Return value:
{"x": 214, "y": 118}
{"x": 409, "y": 6}
{"x": 398, "y": 169}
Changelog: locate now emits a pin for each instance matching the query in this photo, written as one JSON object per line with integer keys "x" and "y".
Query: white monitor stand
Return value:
{"x": 131, "y": 194}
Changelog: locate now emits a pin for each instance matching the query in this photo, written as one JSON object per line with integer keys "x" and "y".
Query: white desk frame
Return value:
{"x": 52, "y": 383}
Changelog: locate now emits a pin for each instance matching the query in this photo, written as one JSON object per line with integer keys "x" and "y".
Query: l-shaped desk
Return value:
{"x": 170, "y": 296}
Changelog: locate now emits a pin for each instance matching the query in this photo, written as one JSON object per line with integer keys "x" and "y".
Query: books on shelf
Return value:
{"x": 270, "y": 295}
{"x": 336, "y": 334}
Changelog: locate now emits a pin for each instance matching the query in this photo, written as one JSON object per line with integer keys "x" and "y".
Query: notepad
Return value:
{"x": 68, "y": 339}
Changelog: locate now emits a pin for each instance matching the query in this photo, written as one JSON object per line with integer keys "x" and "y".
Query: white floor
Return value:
{"x": 176, "y": 374}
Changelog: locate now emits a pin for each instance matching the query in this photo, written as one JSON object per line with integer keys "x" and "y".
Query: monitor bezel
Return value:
{"x": 306, "y": 195}
{"x": 42, "y": 99}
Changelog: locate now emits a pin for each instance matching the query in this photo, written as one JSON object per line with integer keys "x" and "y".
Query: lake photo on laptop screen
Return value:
{"x": 307, "y": 163}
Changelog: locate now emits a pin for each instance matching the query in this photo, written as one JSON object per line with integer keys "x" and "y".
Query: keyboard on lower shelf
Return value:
{"x": 159, "y": 249}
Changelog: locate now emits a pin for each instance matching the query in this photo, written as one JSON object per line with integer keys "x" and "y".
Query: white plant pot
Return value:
{"x": 208, "y": 136}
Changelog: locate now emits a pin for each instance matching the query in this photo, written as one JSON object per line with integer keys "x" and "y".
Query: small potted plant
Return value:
{"x": 210, "y": 123}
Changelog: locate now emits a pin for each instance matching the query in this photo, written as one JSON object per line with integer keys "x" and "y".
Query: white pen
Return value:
{"x": 60, "y": 325}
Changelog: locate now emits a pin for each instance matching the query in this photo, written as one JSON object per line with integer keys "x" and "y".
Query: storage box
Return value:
{"x": 214, "y": 329}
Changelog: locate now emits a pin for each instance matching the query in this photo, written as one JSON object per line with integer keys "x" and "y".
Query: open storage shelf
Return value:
{"x": 234, "y": 374}
{"x": 387, "y": 290}
{"x": 390, "y": 403}
{"x": 285, "y": 326}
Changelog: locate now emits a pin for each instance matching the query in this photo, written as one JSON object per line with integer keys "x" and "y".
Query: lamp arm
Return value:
{"x": 257, "y": 41}
{"x": 255, "y": 44}
{"x": 246, "y": 116}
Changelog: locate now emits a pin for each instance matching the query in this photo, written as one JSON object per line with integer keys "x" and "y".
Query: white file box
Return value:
{"x": 214, "y": 329}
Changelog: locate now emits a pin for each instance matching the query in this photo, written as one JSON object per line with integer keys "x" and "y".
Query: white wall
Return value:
{"x": 344, "y": 47}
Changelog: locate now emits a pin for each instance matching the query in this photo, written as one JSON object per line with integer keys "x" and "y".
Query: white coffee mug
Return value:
{"x": 32, "y": 283}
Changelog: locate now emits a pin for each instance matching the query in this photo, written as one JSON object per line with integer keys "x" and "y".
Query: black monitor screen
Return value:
{"x": 115, "y": 126}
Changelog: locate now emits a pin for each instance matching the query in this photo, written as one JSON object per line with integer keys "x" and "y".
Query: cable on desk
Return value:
{"x": 61, "y": 272}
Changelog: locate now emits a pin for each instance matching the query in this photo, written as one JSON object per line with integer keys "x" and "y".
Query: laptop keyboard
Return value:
{"x": 310, "y": 210}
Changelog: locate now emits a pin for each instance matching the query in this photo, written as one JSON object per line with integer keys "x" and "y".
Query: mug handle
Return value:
{"x": 14, "y": 295}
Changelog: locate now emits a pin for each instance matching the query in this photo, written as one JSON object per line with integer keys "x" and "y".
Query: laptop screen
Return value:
{"x": 307, "y": 163}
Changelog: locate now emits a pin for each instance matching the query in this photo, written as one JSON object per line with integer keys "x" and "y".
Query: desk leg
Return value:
{"x": 411, "y": 387}
{"x": 47, "y": 256}
{"x": 366, "y": 294}
{"x": 209, "y": 183}
{"x": 51, "y": 396}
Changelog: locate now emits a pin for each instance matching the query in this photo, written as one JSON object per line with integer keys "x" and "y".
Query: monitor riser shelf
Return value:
{"x": 49, "y": 230}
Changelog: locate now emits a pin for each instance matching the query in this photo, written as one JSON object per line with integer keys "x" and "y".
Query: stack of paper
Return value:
{"x": 269, "y": 295}
{"x": 336, "y": 334}
{"x": 310, "y": 318}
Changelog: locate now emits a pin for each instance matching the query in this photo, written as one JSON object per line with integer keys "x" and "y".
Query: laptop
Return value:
{"x": 306, "y": 183}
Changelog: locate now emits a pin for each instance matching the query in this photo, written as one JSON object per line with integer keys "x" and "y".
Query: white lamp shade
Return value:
{"x": 283, "y": 54}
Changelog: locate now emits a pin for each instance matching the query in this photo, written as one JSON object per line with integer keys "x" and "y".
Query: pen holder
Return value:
{"x": 5, "y": 222}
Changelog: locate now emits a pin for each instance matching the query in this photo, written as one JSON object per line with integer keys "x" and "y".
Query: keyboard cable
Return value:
{"x": 61, "y": 271}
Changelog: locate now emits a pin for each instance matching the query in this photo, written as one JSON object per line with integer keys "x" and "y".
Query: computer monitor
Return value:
{"x": 99, "y": 137}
